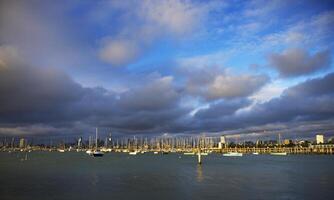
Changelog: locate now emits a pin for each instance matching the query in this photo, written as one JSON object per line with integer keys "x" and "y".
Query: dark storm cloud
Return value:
{"x": 44, "y": 32}
{"x": 36, "y": 100}
{"x": 311, "y": 100}
{"x": 212, "y": 83}
{"x": 154, "y": 95}
{"x": 32, "y": 95}
{"x": 29, "y": 93}
{"x": 222, "y": 108}
{"x": 296, "y": 62}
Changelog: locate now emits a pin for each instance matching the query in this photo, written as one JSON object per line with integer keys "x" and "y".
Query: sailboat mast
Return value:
{"x": 96, "y": 138}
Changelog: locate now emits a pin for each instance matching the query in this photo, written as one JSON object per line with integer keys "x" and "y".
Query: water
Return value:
{"x": 53, "y": 175}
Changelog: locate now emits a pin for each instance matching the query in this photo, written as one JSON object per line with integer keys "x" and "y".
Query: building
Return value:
{"x": 222, "y": 143}
{"x": 319, "y": 139}
{"x": 22, "y": 143}
{"x": 287, "y": 142}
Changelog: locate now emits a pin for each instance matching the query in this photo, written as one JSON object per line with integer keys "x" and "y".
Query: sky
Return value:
{"x": 247, "y": 68}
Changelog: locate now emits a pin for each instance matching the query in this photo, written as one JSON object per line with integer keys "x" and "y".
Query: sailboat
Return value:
{"x": 89, "y": 151}
{"x": 279, "y": 145}
{"x": 233, "y": 154}
{"x": 96, "y": 152}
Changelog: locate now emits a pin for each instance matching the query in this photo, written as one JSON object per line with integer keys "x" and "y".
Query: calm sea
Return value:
{"x": 53, "y": 175}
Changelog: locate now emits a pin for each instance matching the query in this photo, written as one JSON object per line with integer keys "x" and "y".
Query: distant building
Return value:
{"x": 287, "y": 142}
{"x": 222, "y": 142}
{"x": 22, "y": 143}
{"x": 319, "y": 139}
{"x": 330, "y": 140}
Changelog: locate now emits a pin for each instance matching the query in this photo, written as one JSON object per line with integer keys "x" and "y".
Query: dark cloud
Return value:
{"x": 44, "y": 96}
{"x": 213, "y": 83}
{"x": 222, "y": 108}
{"x": 29, "y": 93}
{"x": 311, "y": 100}
{"x": 35, "y": 100}
{"x": 154, "y": 95}
{"x": 42, "y": 32}
{"x": 296, "y": 62}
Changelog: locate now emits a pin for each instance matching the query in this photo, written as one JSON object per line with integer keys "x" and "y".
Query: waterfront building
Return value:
{"x": 319, "y": 139}
{"x": 287, "y": 142}
{"x": 22, "y": 143}
{"x": 222, "y": 142}
{"x": 330, "y": 140}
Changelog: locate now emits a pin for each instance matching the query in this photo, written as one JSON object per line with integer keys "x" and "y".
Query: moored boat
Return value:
{"x": 279, "y": 153}
{"x": 233, "y": 154}
{"x": 189, "y": 153}
{"x": 89, "y": 152}
{"x": 133, "y": 153}
{"x": 96, "y": 152}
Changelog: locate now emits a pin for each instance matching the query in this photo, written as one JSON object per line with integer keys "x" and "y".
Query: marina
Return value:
{"x": 166, "y": 100}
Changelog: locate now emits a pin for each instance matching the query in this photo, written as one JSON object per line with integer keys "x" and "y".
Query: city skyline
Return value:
{"x": 176, "y": 67}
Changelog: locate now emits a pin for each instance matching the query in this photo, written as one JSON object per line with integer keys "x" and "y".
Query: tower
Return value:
{"x": 222, "y": 142}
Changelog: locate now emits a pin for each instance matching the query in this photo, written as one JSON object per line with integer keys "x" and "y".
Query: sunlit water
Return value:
{"x": 54, "y": 175}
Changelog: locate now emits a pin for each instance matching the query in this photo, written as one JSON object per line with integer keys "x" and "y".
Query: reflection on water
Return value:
{"x": 95, "y": 179}
{"x": 199, "y": 173}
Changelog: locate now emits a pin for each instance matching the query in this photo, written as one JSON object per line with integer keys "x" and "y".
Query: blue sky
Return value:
{"x": 238, "y": 56}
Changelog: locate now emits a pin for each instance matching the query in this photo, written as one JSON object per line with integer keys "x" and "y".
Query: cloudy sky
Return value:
{"x": 175, "y": 66}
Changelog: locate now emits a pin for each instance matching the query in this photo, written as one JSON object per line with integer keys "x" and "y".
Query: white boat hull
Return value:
{"x": 279, "y": 154}
{"x": 189, "y": 153}
{"x": 233, "y": 154}
{"x": 97, "y": 154}
{"x": 89, "y": 152}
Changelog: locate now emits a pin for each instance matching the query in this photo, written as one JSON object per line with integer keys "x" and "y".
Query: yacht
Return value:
{"x": 189, "y": 153}
{"x": 233, "y": 154}
{"x": 283, "y": 153}
{"x": 133, "y": 153}
{"x": 279, "y": 153}
{"x": 89, "y": 152}
{"x": 96, "y": 152}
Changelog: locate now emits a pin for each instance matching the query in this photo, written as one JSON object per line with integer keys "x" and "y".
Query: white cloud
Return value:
{"x": 215, "y": 58}
{"x": 143, "y": 22}
{"x": 175, "y": 16}
{"x": 258, "y": 8}
{"x": 118, "y": 52}
{"x": 225, "y": 86}
{"x": 306, "y": 32}
{"x": 268, "y": 92}
{"x": 212, "y": 83}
